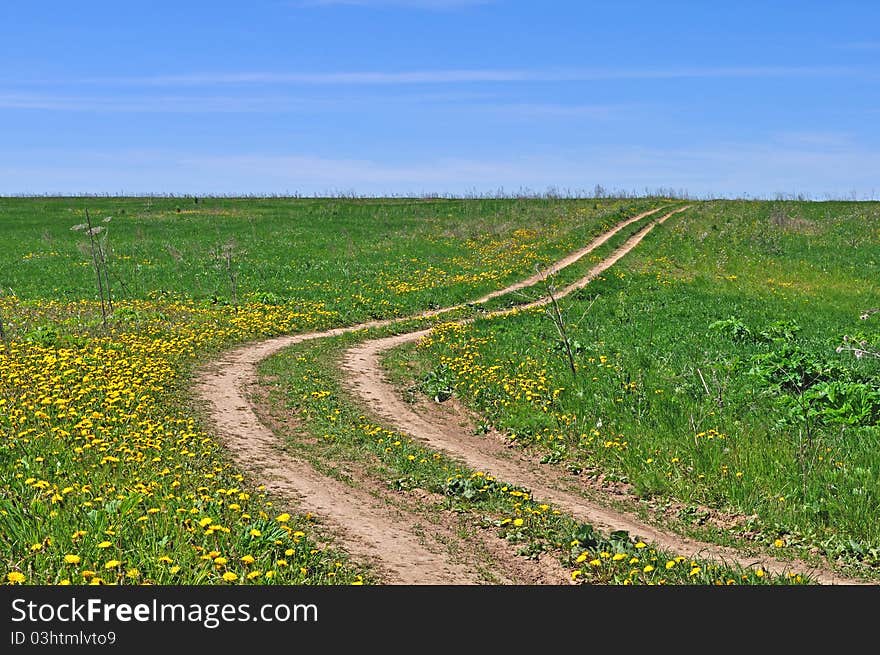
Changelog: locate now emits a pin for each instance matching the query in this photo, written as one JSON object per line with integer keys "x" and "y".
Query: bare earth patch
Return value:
{"x": 483, "y": 557}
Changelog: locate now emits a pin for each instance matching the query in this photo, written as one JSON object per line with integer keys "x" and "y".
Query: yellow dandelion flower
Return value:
{"x": 283, "y": 518}
{"x": 641, "y": 544}
{"x": 779, "y": 543}
{"x": 670, "y": 564}
{"x": 595, "y": 562}
{"x": 695, "y": 571}
{"x": 247, "y": 559}
{"x": 517, "y": 522}
{"x": 648, "y": 568}
{"x": 112, "y": 564}
{"x": 254, "y": 574}
{"x": 760, "y": 573}
{"x": 256, "y": 533}
{"x": 15, "y": 577}
{"x": 580, "y": 558}
{"x": 72, "y": 559}
{"x": 174, "y": 569}
{"x": 104, "y": 544}
{"x": 229, "y": 576}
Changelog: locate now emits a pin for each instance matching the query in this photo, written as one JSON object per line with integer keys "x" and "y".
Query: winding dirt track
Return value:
{"x": 364, "y": 524}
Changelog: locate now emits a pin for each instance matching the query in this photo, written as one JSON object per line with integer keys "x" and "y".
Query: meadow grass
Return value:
{"x": 336, "y": 436}
{"x": 361, "y": 258}
{"x": 707, "y": 376}
{"x": 109, "y": 475}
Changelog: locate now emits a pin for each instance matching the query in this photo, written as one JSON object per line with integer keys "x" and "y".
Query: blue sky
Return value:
{"x": 380, "y": 97}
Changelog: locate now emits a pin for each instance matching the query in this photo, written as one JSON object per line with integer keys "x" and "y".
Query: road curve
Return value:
{"x": 363, "y": 523}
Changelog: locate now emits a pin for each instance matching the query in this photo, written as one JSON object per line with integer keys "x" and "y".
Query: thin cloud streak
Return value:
{"x": 468, "y": 76}
{"x": 463, "y": 102}
{"x": 155, "y": 104}
{"x": 860, "y": 45}
{"x": 528, "y": 110}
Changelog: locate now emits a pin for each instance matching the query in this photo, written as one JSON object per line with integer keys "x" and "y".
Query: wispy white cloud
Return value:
{"x": 860, "y": 45}
{"x": 329, "y": 78}
{"x": 474, "y": 104}
{"x": 816, "y": 139}
{"x": 249, "y": 103}
{"x": 528, "y": 110}
{"x": 467, "y": 76}
{"x": 153, "y": 104}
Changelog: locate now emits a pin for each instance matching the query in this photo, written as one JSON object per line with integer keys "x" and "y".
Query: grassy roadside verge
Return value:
{"x": 335, "y": 435}
{"x": 707, "y": 379}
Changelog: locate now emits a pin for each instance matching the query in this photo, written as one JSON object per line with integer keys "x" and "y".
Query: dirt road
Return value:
{"x": 389, "y": 536}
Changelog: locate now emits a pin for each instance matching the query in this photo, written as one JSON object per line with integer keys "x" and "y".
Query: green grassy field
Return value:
{"x": 109, "y": 475}
{"x": 705, "y": 375}
{"x": 335, "y": 436}
{"x": 360, "y": 258}
{"x": 706, "y": 378}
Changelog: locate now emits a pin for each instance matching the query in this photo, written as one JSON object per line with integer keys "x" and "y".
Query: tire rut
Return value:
{"x": 366, "y": 379}
{"x": 363, "y": 523}
{"x": 358, "y": 519}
